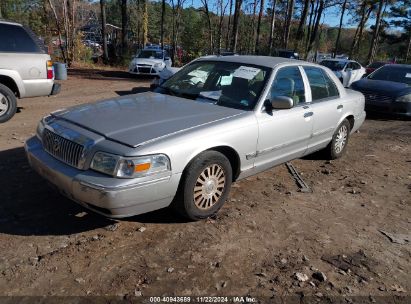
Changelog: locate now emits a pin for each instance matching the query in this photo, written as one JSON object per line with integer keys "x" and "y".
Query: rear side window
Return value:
{"x": 322, "y": 86}
{"x": 14, "y": 38}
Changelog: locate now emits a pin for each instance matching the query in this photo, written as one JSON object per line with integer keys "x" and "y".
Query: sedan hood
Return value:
{"x": 136, "y": 119}
{"x": 149, "y": 61}
{"x": 389, "y": 88}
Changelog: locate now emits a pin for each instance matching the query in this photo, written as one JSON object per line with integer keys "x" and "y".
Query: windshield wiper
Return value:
{"x": 168, "y": 91}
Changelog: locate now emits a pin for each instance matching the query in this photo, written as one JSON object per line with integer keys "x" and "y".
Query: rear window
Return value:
{"x": 14, "y": 38}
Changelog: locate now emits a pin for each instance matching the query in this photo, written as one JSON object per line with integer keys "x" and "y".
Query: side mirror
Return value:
{"x": 282, "y": 102}
{"x": 166, "y": 58}
{"x": 348, "y": 69}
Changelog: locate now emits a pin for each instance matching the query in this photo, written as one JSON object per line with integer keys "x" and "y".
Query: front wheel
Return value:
{"x": 205, "y": 186}
{"x": 8, "y": 103}
{"x": 338, "y": 144}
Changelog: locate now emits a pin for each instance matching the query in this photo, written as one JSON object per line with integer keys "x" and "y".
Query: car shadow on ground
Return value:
{"x": 135, "y": 90}
{"x": 29, "y": 206}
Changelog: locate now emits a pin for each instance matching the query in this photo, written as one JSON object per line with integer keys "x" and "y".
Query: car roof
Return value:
{"x": 2, "y": 21}
{"x": 404, "y": 66}
{"x": 339, "y": 60}
{"x": 266, "y": 61}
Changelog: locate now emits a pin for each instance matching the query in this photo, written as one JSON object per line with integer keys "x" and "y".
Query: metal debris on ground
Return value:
{"x": 397, "y": 238}
{"x": 298, "y": 179}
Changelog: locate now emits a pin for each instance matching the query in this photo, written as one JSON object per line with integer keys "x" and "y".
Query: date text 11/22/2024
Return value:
{"x": 202, "y": 299}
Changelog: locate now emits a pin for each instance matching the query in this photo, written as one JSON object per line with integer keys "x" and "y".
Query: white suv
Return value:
{"x": 25, "y": 69}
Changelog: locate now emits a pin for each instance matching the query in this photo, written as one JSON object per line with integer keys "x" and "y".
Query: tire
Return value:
{"x": 204, "y": 187}
{"x": 336, "y": 148}
{"x": 8, "y": 103}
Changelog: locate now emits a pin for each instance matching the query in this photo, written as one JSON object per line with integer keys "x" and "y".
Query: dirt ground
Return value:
{"x": 268, "y": 241}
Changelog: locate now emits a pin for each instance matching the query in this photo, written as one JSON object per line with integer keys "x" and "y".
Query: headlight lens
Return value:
{"x": 405, "y": 98}
{"x": 158, "y": 65}
{"x": 125, "y": 167}
{"x": 41, "y": 126}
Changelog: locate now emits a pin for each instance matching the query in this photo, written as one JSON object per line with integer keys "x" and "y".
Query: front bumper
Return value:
{"x": 95, "y": 191}
{"x": 55, "y": 89}
{"x": 138, "y": 70}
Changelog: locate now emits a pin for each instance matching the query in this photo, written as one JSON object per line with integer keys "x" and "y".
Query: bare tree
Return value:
{"x": 237, "y": 12}
{"x": 290, "y": 12}
{"x": 374, "y": 40}
{"x": 272, "y": 27}
{"x": 210, "y": 28}
{"x": 314, "y": 33}
{"x": 337, "y": 41}
{"x": 260, "y": 15}
{"x": 103, "y": 30}
{"x": 124, "y": 26}
{"x": 145, "y": 23}
{"x": 163, "y": 13}
{"x": 301, "y": 24}
{"x": 227, "y": 41}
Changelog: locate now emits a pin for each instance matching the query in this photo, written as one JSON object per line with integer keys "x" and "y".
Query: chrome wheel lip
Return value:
{"x": 4, "y": 104}
{"x": 209, "y": 187}
{"x": 341, "y": 139}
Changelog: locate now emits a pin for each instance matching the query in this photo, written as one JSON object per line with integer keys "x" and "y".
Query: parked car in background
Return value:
{"x": 214, "y": 122}
{"x": 387, "y": 90}
{"x": 291, "y": 54}
{"x": 347, "y": 71}
{"x": 150, "y": 62}
{"x": 373, "y": 66}
{"x": 25, "y": 69}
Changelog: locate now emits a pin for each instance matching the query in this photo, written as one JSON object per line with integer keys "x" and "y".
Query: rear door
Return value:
{"x": 326, "y": 105}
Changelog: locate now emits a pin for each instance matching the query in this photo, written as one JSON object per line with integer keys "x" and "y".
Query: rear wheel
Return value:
{"x": 8, "y": 103}
{"x": 205, "y": 186}
{"x": 338, "y": 144}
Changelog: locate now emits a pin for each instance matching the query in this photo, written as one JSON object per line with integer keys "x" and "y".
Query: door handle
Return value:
{"x": 308, "y": 114}
{"x": 340, "y": 107}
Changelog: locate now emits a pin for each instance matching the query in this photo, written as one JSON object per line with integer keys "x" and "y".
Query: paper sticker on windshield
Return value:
{"x": 408, "y": 75}
{"x": 246, "y": 72}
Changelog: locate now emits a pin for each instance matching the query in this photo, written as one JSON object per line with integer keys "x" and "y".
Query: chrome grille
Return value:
{"x": 61, "y": 148}
{"x": 372, "y": 97}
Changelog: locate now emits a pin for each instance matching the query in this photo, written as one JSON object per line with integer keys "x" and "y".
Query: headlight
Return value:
{"x": 130, "y": 167}
{"x": 41, "y": 125}
{"x": 159, "y": 64}
{"x": 405, "y": 98}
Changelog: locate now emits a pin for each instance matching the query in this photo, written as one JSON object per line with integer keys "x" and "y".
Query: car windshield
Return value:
{"x": 333, "y": 65}
{"x": 393, "y": 73}
{"x": 228, "y": 84}
{"x": 150, "y": 54}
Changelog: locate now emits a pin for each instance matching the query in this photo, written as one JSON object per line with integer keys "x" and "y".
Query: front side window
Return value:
{"x": 322, "y": 86}
{"x": 229, "y": 84}
{"x": 289, "y": 82}
{"x": 14, "y": 38}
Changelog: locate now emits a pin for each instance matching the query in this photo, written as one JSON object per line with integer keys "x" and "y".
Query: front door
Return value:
{"x": 284, "y": 134}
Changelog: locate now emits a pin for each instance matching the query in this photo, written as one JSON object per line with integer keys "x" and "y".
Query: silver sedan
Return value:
{"x": 216, "y": 121}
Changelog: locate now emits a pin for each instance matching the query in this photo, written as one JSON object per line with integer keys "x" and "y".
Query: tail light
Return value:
{"x": 50, "y": 70}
